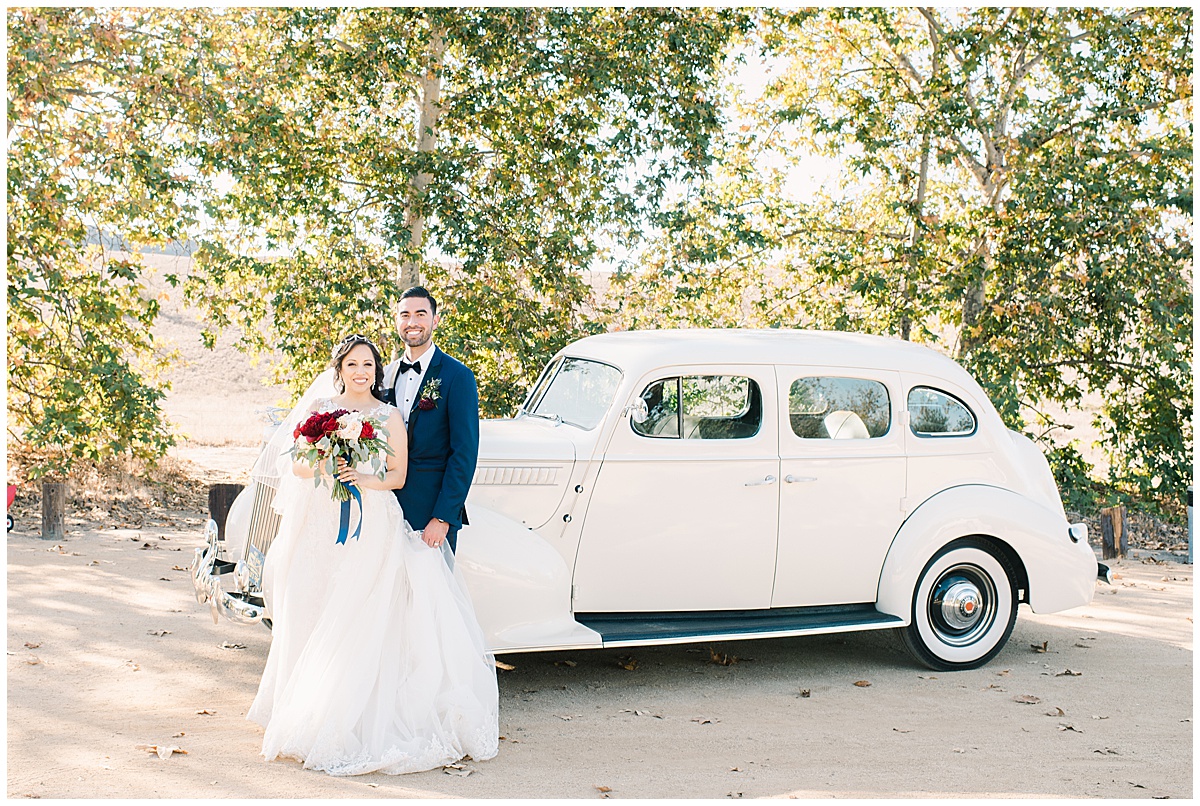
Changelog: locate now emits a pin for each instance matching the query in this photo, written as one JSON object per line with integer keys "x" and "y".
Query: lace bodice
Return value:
{"x": 382, "y": 411}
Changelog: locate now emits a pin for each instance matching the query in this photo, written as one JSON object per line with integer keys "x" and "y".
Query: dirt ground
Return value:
{"x": 109, "y": 651}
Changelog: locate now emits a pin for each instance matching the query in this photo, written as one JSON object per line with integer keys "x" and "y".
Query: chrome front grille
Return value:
{"x": 264, "y": 525}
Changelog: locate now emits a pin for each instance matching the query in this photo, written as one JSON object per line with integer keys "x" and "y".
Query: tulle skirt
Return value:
{"x": 377, "y": 661}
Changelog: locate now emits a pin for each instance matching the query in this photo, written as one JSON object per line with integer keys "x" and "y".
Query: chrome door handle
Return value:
{"x": 790, "y": 479}
{"x": 767, "y": 480}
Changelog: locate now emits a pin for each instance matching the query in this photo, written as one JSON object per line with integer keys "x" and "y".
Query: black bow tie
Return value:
{"x": 405, "y": 366}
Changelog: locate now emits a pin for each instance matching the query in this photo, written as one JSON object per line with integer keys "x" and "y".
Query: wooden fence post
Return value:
{"x": 1114, "y": 541}
{"x": 220, "y": 499}
{"x": 54, "y": 507}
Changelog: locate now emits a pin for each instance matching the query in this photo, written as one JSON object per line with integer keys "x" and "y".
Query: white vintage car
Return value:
{"x": 693, "y": 485}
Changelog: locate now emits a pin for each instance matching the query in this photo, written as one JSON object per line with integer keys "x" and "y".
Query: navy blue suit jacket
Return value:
{"x": 443, "y": 444}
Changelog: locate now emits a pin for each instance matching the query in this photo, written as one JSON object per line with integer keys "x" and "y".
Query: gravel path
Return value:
{"x": 108, "y": 652}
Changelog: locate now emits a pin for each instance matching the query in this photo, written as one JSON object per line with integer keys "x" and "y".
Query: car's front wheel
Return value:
{"x": 964, "y": 607}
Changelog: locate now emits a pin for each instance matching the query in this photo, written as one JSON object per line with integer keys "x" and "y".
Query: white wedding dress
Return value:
{"x": 377, "y": 661}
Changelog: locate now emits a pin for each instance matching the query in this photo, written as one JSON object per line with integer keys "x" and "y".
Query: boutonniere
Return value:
{"x": 432, "y": 394}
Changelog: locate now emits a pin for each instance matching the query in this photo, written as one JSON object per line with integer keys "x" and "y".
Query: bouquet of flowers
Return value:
{"x": 327, "y": 435}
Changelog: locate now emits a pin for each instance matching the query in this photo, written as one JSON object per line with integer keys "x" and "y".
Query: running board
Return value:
{"x": 682, "y": 627}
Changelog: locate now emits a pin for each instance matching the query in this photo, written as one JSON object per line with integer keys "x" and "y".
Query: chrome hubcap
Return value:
{"x": 962, "y": 605}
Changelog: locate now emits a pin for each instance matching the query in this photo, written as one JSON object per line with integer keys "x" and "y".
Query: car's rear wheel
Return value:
{"x": 964, "y": 607}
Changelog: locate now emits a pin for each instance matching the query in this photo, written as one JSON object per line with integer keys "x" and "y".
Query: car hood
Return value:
{"x": 525, "y": 440}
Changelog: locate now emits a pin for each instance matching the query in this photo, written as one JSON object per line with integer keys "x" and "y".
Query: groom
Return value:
{"x": 439, "y": 402}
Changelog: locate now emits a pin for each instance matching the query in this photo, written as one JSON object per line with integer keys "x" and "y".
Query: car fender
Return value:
{"x": 520, "y": 586}
{"x": 1061, "y": 573}
{"x": 237, "y": 523}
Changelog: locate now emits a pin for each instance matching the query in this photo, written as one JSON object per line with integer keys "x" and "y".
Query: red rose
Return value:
{"x": 368, "y": 432}
{"x": 319, "y": 425}
{"x": 425, "y": 404}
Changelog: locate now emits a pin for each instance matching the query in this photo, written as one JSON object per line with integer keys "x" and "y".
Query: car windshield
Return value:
{"x": 575, "y": 391}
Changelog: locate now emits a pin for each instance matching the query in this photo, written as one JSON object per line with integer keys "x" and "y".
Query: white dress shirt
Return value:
{"x": 409, "y": 383}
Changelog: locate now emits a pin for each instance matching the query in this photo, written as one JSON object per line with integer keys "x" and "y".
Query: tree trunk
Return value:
{"x": 220, "y": 499}
{"x": 54, "y": 506}
{"x": 915, "y": 232}
{"x": 430, "y": 98}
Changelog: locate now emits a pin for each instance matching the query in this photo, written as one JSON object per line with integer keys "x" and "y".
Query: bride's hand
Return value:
{"x": 346, "y": 474}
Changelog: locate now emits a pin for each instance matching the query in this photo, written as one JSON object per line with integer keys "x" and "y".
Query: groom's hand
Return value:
{"x": 435, "y": 533}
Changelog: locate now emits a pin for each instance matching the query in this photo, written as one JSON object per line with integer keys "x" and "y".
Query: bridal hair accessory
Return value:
{"x": 327, "y": 436}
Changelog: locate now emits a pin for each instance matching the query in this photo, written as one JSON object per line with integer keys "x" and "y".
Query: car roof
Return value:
{"x": 641, "y": 350}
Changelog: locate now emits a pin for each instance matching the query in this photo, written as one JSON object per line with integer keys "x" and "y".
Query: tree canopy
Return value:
{"x": 1016, "y": 189}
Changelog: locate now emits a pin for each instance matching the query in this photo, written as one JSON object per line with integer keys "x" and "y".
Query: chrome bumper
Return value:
{"x": 235, "y": 606}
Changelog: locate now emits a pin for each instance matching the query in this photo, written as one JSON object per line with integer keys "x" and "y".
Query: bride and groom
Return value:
{"x": 377, "y": 661}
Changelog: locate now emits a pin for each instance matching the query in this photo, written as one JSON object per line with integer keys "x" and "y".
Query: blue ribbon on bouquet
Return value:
{"x": 344, "y": 525}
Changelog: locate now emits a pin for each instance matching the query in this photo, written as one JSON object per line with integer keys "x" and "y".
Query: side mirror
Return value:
{"x": 638, "y": 411}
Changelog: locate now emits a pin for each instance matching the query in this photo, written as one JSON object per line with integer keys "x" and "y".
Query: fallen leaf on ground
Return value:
{"x": 461, "y": 770}
{"x": 33, "y": 660}
{"x": 927, "y": 676}
{"x": 165, "y": 579}
{"x": 603, "y": 790}
{"x": 568, "y": 717}
{"x": 721, "y": 658}
{"x": 206, "y": 712}
{"x": 862, "y": 683}
{"x": 227, "y": 645}
{"x": 148, "y": 546}
{"x": 1027, "y": 699}
{"x": 178, "y": 568}
{"x": 32, "y": 645}
{"x": 160, "y": 751}
{"x": 805, "y": 693}
{"x": 1042, "y": 648}
{"x": 1003, "y": 673}
{"x": 1139, "y": 786}
{"x": 133, "y": 666}
{"x": 1082, "y": 646}
{"x": 158, "y": 632}
{"x": 1056, "y": 712}
{"x": 627, "y": 662}
{"x": 992, "y": 687}
{"x": 179, "y": 735}
{"x": 902, "y": 730}
{"x": 1094, "y": 716}
{"x": 565, "y": 663}
{"x": 703, "y": 720}
{"x": 636, "y": 712}
{"x": 1067, "y": 673}
{"x": 1108, "y": 751}
{"x": 1070, "y": 728}
{"x": 507, "y": 667}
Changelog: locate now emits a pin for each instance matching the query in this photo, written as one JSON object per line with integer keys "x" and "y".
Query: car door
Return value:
{"x": 842, "y": 465}
{"x": 684, "y": 514}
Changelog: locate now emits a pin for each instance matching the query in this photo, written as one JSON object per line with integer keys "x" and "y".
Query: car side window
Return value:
{"x": 702, "y": 407}
{"x": 839, "y": 408}
{"x": 934, "y": 413}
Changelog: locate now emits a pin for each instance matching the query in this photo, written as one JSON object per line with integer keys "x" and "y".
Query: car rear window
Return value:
{"x": 934, "y": 413}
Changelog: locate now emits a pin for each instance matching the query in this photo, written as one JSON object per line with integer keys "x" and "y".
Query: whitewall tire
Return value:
{"x": 964, "y": 607}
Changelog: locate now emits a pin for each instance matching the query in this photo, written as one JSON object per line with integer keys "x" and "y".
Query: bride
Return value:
{"x": 377, "y": 662}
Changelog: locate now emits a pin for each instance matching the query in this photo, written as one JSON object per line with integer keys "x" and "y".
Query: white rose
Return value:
{"x": 351, "y": 425}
